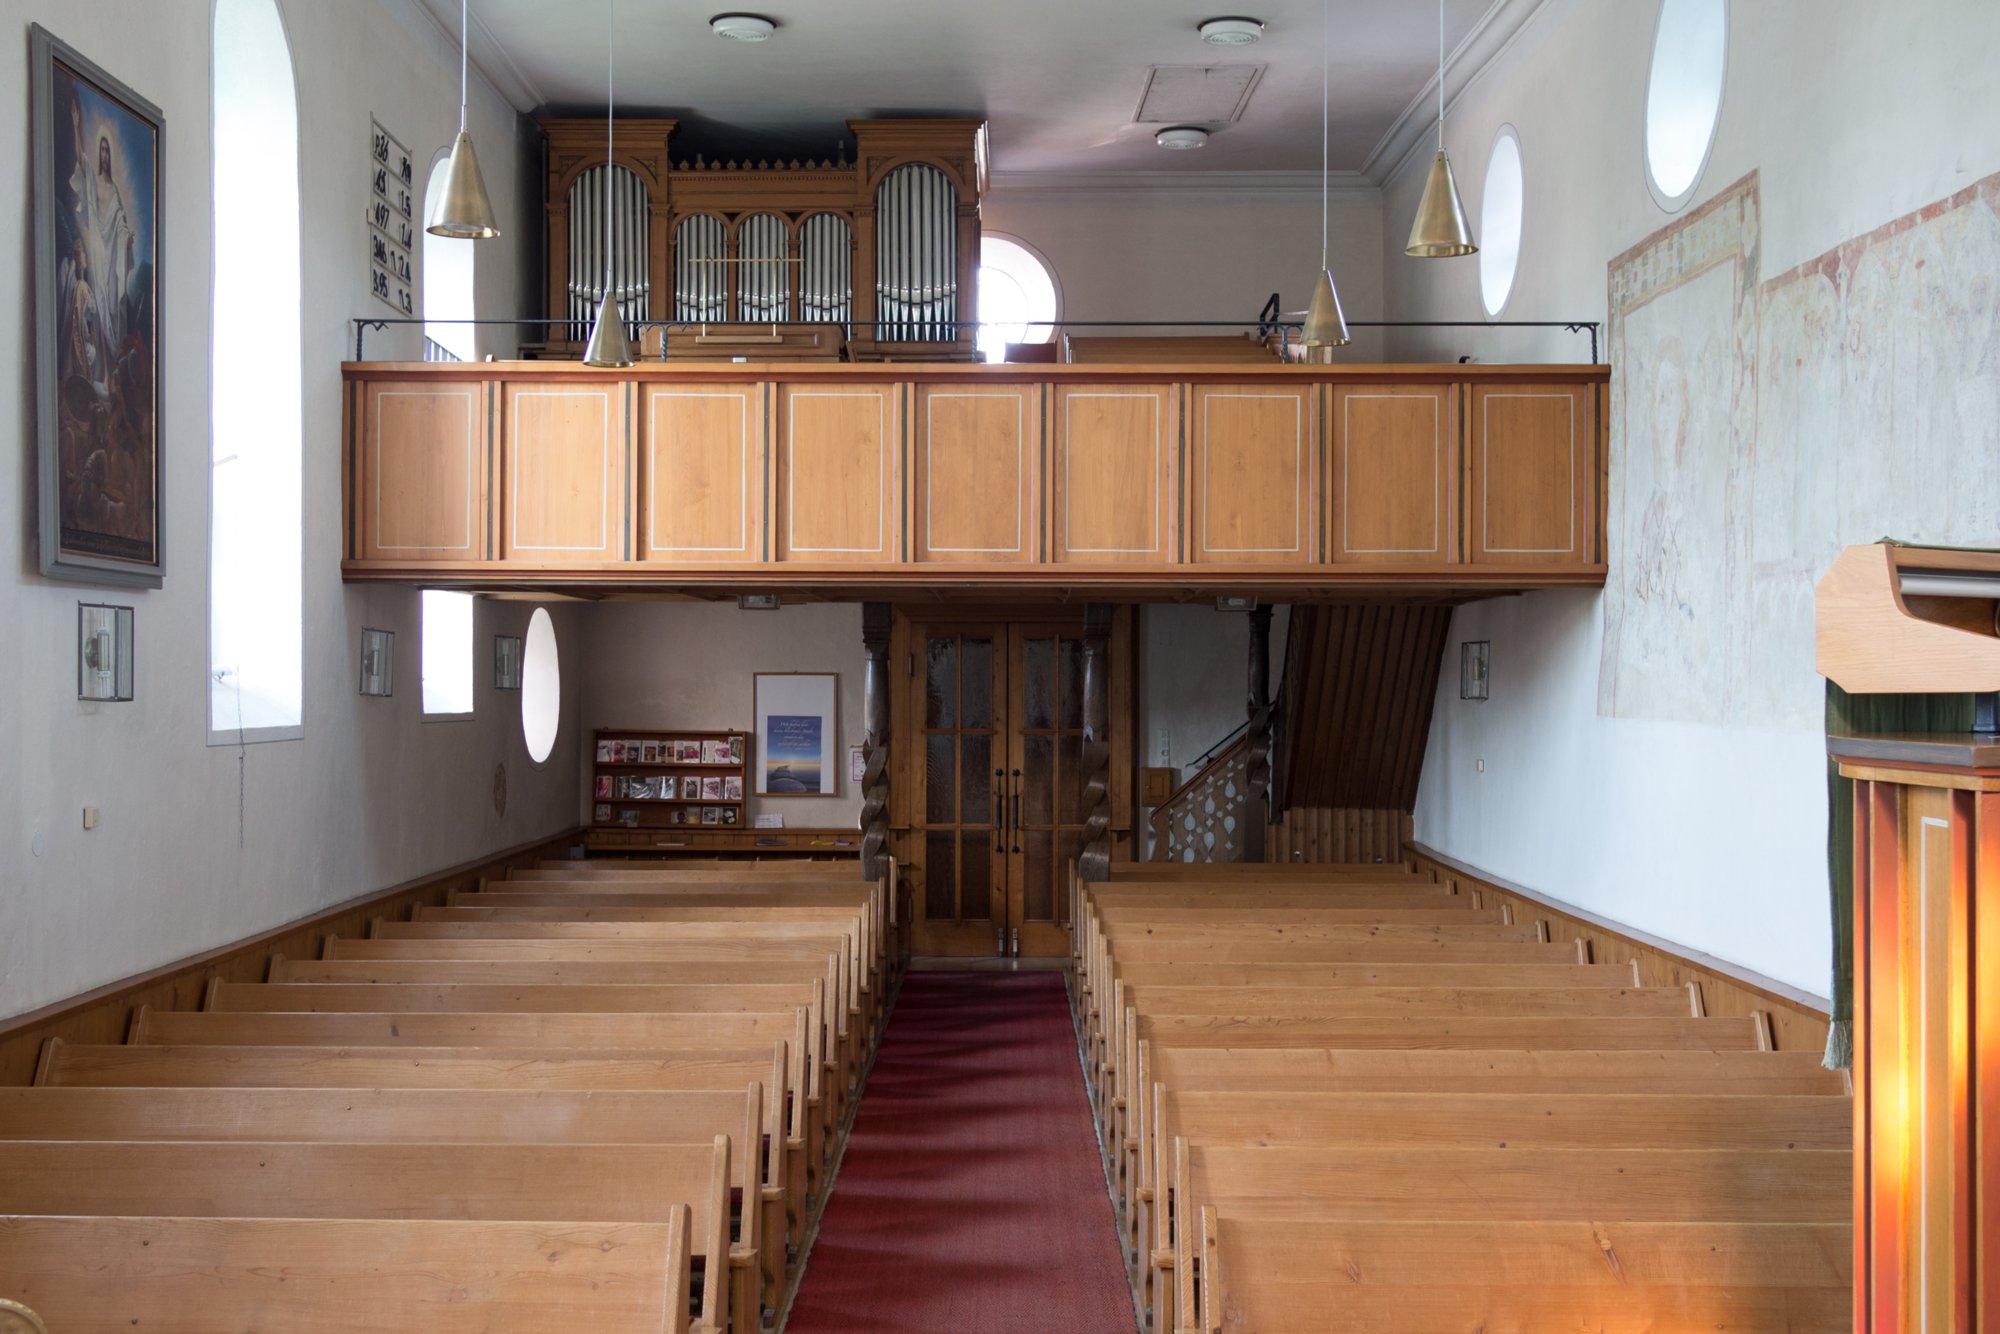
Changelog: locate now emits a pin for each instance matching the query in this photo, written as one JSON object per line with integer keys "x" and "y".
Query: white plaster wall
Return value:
{"x": 1705, "y": 831}
{"x": 692, "y": 664}
{"x": 1215, "y": 252}
{"x": 199, "y": 846}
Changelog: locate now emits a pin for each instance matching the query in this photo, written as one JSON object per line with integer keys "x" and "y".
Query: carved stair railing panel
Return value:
{"x": 1207, "y": 818}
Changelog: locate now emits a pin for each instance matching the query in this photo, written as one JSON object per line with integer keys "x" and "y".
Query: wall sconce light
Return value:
{"x": 1475, "y": 662}
{"x": 378, "y": 662}
{"x": 756, "y": 602}
{"x": 103, "y": 652}
{"x": 506, "y": 662}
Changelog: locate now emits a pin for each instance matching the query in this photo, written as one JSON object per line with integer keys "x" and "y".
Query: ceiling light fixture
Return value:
{"x": 609, "y": 345}
{"x": 1326, "y": 323}
{"x": 1231, "y": 31}
{"x": 463, "y": 211}
{"x": 1440, "y": 229}
{"x": 1181, "y": 137}
{"x": 743, "y": 27}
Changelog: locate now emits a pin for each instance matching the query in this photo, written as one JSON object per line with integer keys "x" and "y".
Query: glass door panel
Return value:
{"x": 1047, "y": 669}
{"x": 962, "y": 871}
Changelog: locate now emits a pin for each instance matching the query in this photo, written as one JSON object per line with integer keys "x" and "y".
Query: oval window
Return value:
{"x": 541, "y": 687}
{"x": 1500, "y": 221}
{"x": 1684, "y": 95}
{"x": 1017, "y": 296}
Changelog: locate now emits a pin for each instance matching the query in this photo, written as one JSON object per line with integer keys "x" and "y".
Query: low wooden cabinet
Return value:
{"x": 1118, "y": 480}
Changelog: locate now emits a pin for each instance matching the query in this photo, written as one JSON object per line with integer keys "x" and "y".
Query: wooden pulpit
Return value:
{"x": 1913, "y": 620}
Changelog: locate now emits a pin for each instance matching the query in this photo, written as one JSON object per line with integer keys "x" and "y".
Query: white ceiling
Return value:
{"x": 1058, "y": 80}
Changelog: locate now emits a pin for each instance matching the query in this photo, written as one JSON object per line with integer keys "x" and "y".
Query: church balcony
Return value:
{"x": 1139, "y": 481}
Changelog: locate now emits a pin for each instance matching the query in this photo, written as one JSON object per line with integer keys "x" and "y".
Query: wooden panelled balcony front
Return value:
{"x": 1165, "y": 481}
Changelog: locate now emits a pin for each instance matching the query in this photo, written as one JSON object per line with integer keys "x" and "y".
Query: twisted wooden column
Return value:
{"x": 876, "y": 618}
{"x": 1094, "y": 859}
{"x": 1257, "y": 807}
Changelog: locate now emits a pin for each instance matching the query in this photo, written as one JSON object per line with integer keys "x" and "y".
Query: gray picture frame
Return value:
{"x": 69, "y": 550}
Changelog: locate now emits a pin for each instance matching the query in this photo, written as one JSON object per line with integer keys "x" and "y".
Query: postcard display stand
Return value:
{"x": 645, "y": 782}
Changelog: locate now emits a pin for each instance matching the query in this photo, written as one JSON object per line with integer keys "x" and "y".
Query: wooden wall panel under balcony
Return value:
{"x": 702, "y": 474}
{"x": 1254, "y": 474}
{"x": 839, "y": 473}
{"x": 566, "y": 472}
{"x": 1319, "y": 834}
{"x": 1392, "y": 482}
{"x": 1533, "y": 474}
{"x": 1113, "y": 474}
{"x": 1360, "y": 680}
{"x": 978, "y": 473}
{"x": 422, "y": 472}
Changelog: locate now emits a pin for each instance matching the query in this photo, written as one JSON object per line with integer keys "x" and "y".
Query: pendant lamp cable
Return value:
{"x": 1440, "y": 76}
{"x": 1325, "y": 117}
{"x": 610, "y": 104}
{"x": 464, "y": 34}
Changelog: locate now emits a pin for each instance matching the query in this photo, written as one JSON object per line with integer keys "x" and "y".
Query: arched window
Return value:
{"x": 1684, "y": 95}
{"x": 1500, "y": 221}
{"x": 1016, "y": 289}
{"x": 447, "y": 265}
{"x": 255, "y": 615}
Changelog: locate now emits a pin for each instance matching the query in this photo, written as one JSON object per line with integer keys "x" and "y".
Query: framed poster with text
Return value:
{"x": 797, "y": 734}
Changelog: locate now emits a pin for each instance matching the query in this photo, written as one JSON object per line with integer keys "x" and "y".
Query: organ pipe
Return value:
{"x": 626, "y": 265}
{"x": 916, "y": 265}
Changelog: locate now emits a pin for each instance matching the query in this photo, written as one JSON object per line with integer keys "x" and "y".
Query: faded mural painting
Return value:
{"x": 1776, "y": 421}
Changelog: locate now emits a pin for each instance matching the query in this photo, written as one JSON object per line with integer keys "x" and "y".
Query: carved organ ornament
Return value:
{"x": 888, "y": 242}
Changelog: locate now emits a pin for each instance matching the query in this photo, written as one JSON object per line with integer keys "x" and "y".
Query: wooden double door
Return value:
{"x": 989, "y": 740}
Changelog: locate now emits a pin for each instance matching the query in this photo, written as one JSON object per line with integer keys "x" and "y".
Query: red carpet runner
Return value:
{"x": 971, "y": 1199}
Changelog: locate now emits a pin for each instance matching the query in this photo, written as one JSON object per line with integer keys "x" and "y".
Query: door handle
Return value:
{"x": 1017, "y": 810}
{"x": 1000, "y": 814}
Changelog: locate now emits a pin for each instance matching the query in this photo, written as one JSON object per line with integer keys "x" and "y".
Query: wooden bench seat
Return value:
{"x": 1270, "y": 975}
{"x": 200, "y": 1275}
{"x": 478, "y": 1182}
{"x": 405, "y": 1116}
{"x": 1295, "y": 1276}
{"x": 1473, "y": 1185}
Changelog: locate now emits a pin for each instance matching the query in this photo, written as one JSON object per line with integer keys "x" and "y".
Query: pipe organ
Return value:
{"x": 887, "y": 245}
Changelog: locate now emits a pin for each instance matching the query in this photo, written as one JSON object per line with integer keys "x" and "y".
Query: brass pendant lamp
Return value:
{"x": 463, "y": 211}
{"x": 1326, "y": 324}
{"x": 609, "y": 345}
{"x": 1440, "y": 229}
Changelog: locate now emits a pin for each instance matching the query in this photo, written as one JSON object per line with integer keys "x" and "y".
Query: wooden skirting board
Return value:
{"x": 105, "y": 1014}
{"x": 1798, "y": 1019}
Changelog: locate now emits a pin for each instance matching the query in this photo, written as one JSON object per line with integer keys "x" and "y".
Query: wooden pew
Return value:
{"x": 1611, "y": 1186}
{"x": 1293, "y": 1276}
{"x": 200, "y": 1275}
{"x": 422, "y": 1116}
{"x": 477, "y": 1182}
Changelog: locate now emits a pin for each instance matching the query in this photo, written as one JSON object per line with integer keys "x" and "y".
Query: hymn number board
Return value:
{"x": 392, "y": 228}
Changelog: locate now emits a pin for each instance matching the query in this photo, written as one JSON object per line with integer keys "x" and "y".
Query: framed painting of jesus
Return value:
{"x": 97, "y": 189}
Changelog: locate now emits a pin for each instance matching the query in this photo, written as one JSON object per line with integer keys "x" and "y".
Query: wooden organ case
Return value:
{"x": 886, "y": 246}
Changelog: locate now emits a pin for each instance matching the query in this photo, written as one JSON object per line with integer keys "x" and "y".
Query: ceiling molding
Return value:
{"x": 1486, "y": 43}
{"x": 489, "y": 60}
{"x": 1342, "y": 184}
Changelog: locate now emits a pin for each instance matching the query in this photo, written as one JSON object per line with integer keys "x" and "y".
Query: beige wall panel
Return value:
{"x": 1391, "y": 485}
{"x": 1251, "y": 483}
{"x": 1113, "y": 469}
{"x": 977, "y": 462}
{"x": 424, "y": 472}
{"x": 1532, "y": 475}
{"x": 566, "y": 472}
{"x": 837, "y": 474}
{"x": 704, "y": 480}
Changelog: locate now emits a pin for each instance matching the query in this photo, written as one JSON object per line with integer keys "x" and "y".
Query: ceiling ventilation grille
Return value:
{"x": 1197, "y": 94}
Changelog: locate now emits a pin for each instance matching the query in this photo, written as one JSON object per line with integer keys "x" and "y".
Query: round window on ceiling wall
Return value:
{"x": 541, "y": 687}
{"x": 1500, "y": 222}
{"x": 1684, "y": 96}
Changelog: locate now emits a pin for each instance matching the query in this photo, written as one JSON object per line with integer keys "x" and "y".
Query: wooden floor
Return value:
{"x": 591, "y": 1096}
{"x": 1350, "y": 1099}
